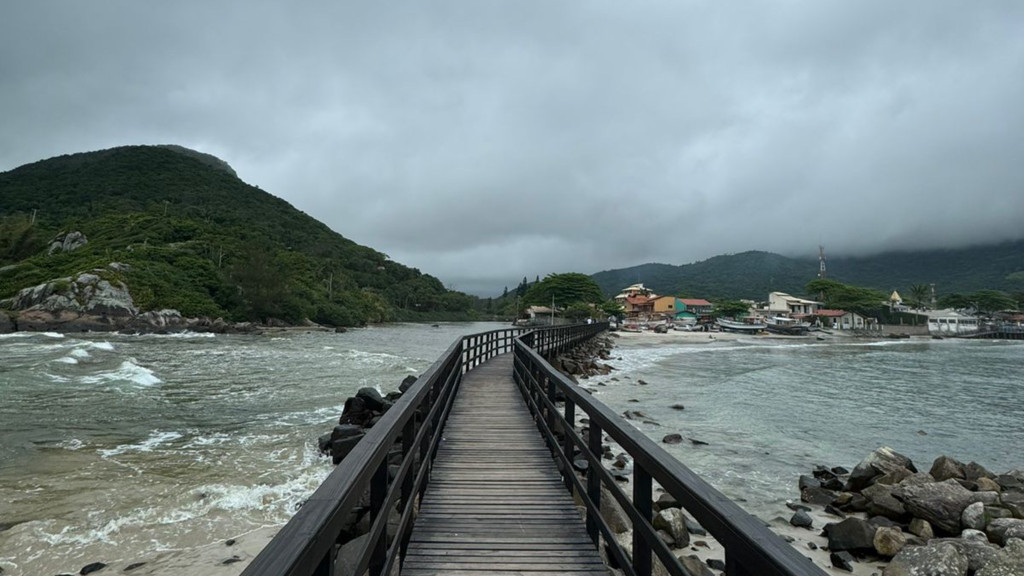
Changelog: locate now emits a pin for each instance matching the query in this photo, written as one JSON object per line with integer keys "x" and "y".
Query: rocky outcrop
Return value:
{"x": 934, "y": 560}
{"x": 66, "y": 242}
{"x": 584, "y": 360}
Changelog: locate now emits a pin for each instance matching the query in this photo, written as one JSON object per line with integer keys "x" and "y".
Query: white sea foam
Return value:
{"x": 80, "y": 353}
{"x": 67, "y": 360}
{"x": 72, "y": 444}
{"x": 185, "y": 334}
{"x": 128, "y": 370}
{"x": 102, "y": 346}
{"x": 14, "y": 335}
{"x": 156, "y": 438}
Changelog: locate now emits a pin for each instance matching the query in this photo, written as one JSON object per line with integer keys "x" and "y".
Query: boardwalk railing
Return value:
{"x": 751, "y": 549}
{"x": 308, "y": 544}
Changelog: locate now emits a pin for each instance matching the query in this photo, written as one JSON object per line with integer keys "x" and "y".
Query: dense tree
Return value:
{"x": 564, "y": 289}
{"x": 956, "y": 301}
{"x": 989, "y": 301}
{"x": 844, "y": 297}
{"x": 730, "y": 308}
{"x": 919, "y": 296}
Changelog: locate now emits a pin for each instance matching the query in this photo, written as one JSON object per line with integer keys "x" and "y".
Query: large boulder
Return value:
{"x": 878, "y": 463}
{"x": 945, "y": 468}
{"x": 974, "y": 546}
{"x": 1007, "y": 562}
{"x": 671, "y": 520}
{"x": 973, "y": 516}
{"x": 372, "y": 398}
{"x": 1001, "y": 530}
{"x": 922, "y": 528}
{"x": 941, "y": 503}
{"x": 851, "y": 534}
{"x": 94, "y": 294}
{"x": 889, "y": 541}
{"x": 1014, "y": 502}
{"x": 940, "y": 559}
{"x": 612, "y": 513}
{"x": 883, "y": 503}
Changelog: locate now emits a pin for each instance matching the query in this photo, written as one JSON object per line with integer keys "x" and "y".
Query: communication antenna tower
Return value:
{"x": 821, "y": 261}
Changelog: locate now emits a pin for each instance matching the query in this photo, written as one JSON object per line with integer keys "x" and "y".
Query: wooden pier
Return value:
{"x": 496, "y": 503}
{"x": 471, "y": 472}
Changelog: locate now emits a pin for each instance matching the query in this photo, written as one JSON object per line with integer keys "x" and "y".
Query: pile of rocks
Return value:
{"x": 957, "y": 519}
{"x": 360, "y": 413}
{"x": 582, "y": 361}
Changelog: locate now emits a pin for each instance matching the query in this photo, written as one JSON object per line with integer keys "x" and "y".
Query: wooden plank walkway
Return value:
{"x": 496, "y": 504}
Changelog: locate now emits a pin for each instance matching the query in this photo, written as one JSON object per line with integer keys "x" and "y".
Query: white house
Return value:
{"x": 951, "y": 322}
{"x": 782, "y": 304}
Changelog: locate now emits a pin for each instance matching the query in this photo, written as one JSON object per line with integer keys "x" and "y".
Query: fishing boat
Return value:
{"x": 743, "y": 327}
{"x": 787, "y": 326}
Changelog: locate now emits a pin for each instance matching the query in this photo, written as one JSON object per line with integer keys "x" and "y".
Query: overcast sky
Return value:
{"x": 484, "y": 141}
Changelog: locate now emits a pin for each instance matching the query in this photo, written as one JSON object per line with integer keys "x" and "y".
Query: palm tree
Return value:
{"x": 919, "y": 295}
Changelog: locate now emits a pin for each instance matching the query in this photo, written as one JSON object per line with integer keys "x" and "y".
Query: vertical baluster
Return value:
{"x": 378, "y": 491}
{"x": 593, "y": 480}
{"x": 642, "y": 503}
{"x": 408, "y": 433}
{"x": 567, "y": 445}
{"x": 326, "y": 566}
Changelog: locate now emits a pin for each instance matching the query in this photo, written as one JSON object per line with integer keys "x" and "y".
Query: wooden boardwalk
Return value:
{"x": 496, "y": 504}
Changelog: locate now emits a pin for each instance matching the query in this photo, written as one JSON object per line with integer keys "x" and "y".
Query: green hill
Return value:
{"x": 754, "y": 274}
{"x": 200, "y": 240}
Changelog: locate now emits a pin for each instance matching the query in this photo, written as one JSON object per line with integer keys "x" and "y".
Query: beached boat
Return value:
{"x": 787, "y": 326}
{"x": 733, "y": 326}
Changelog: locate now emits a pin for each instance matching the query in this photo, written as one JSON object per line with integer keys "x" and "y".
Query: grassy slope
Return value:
{"x": 204, "y": 242}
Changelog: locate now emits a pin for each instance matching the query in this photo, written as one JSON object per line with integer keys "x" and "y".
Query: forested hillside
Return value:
{"x": 754, "y": 274}
{"x": 200, "y": 240}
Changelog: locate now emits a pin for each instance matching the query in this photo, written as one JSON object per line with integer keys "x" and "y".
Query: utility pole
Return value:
{"x": 552, "y": 308}
{"x": 821, "y": 261}
{"x": 33, "y": 219}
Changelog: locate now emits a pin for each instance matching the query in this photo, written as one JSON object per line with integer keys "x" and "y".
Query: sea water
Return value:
{"x": 114, "y": 448}
{"x": 771, "y": 409}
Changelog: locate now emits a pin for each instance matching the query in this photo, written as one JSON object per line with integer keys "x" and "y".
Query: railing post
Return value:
{"x": 408, "y": 433}
{"x": 567, "y": 446}
{"x": 594, "y": 480}
{"x": 378, "y": 492}
{"x": 642, "y": 503}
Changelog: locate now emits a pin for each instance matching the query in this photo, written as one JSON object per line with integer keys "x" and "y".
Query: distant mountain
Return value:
{"x": 198, "y": 239}
{"x": 754, "y": 274}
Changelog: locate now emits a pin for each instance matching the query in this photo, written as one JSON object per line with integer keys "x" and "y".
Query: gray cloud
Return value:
{"x": 484, "y": 142}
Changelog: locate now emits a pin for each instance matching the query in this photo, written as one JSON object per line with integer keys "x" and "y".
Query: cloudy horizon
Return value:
{"x": 485, "y": 142}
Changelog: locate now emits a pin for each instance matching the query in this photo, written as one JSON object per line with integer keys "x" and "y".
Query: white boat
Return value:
{"x": 733, "y": 326}
{"x": 788, "y": 326}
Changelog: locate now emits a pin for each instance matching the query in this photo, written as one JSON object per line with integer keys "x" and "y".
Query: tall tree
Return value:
{"x": 919, "y": 296}
{"x": 564, "y": 289}
{"x": 845, "y": 297}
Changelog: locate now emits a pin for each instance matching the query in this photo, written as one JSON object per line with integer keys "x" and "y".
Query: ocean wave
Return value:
{"x": 156, "y": 438}
{"x": 67, "y": 360}
{"x": 15, "y": 335}
{"x": 128, "y": 370}
{"x": 80, "y": 353}
{"x": 184, "y": 334}
{"x": 102, "y": 346}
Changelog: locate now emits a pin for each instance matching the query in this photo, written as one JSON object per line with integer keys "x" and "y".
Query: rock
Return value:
{"x": 997, "y": 512}
{"x": 945, "y": 468}
{"x": 978, "y": 552}
{"x": 808, "y": 482}
{"x": 406, "y": 384}
{"x": 917, "y": 479}
{"x": 678, "y": 406}
{"x": 715, "y": 564}
{"x": 1013, "y": 502}
{"x": 229, "y": 542}
{"x": 921, "y": 528}
{"x": 667, "y": 500}
{"x": 372, "y": 399}
{"x": 883, "y": 503}
{"x": 830, "y": 509}
{"x": 889, "y": 541}
{"x": 812, "y": 546}
{"x": 794, "y": 506}
{"x": 851, "y": 534}
{"x": 975, "y": 471}
{"x": 693, "y": 527}
{"x": 671, "y": 521}
{"x": 345, "y": 431}
{"x": 90, "y": 568}
{"x": 341, "y": 447}
{"x": 895, "y": 477}
{"x": 1007, "y": 562}
{"x": 232, "y": 560}
{"x": 1010, "y": 482}
{"x": 696, "y": 442}
{"x": 694, "y": 566}
{"x": 940, "y": 503}
{"x": 355, "y": 412}
{"x": 880, "y": 462}
{"x": 973, "y": 516}
{"x": 840, "y": 471}
{"x": 673, "y": 439}
{"x": 817, "y": 496}
{"x": 666, "y": 538}
{"x": 801, "y": 520}
{"x": 1002, "y": 529}
{"x": 987, "y": 485}
{"x": 613, "y": 514}
{"x": 581, "y": 464}
{"x": 348, "y": 556}
{"x": 66, "y": 242}
{"x": 940, "y": 559}
{"x": 842, "y": 560}
{"x": 133, "y": 566}
{"x": 641, "y": 382}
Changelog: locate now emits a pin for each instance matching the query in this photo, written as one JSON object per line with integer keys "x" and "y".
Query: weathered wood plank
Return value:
{"x": 496, "y": 503}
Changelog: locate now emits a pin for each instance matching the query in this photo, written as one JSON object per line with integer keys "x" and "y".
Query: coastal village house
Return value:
{"x": 840, "y": 319}
{"x": 638, "y": 301}
{"x": 951, "y": 322}
{"x": 782, "y": 304}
